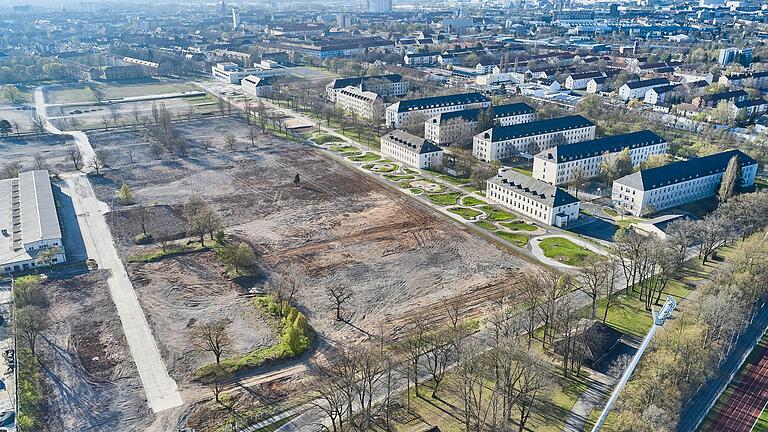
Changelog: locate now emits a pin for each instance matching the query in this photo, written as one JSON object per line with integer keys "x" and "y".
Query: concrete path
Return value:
{"x": 600, "y": 387}
{"x": 161, "y": 390}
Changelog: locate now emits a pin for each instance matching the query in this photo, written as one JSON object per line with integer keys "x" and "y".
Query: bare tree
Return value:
{"x": 30, "y": 322}
{"x": 11, "y": 169}
{"x": 592, "y": 277}
{"x": 340, "y": 294}
{"x": 212, "y": 337}
{"x": 100, "y": 161}
{"x": 75, "y": 156}
{"x": 230, "y": 141}
{"x": 38, "y": 124}
{"x": 40, "y": 162}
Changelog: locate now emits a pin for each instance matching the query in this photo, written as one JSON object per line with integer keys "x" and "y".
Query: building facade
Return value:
{"x": 648, "y": 191}
{"x": 637, "y": 89}
{"x": 579, "y": 81}
{"x": 401, "y": 112}
{"x": 411, "y": 150}
{"x": 365, "y": 104}
{"x": 259, "y": 87}
{"x": 532, "y": 198}
{"x": 558, "y": 164}
{"x": 530, "y": 138}
{"x": 383, "y": 85}
{"x": 442, "y": 128}
{"x": 29, "y": 223}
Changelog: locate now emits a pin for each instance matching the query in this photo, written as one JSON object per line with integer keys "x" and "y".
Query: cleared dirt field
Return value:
{"x": 90, "y": 378}
{"x": 53, "y": 149}
{"x": 20, "y": 116}
{"x": 115, "y": 89}
{"x": 342, "y": 226}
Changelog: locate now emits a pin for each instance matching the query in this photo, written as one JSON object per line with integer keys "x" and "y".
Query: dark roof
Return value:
{"x": 725, "y": 95}
{"x": 412, "y": 142}
{"x": 504, "y": 133}
{"x": 499, "y": 111}
{"x": 664, "y": 89}
{"x": 356, "y": 81}
{"x": 655, "y": 178}
{"x": 612, "y": 144}
{"x": 750, "y": 102}
{"x": 647, "y": 83}
{"x": 438, "y": 101}
{"x": 585, "y": 75}
{"x": 537, "y": 190}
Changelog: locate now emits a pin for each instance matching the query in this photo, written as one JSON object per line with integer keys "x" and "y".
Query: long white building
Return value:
{"x": 383, "y": 85}
{"x": 365, "y": 104}
{"x": 530, "y": 138}
{"x": 29, "y": 222}
{"x": 637, "y": 89}
{"x": 411, "y": 150}
{"x": 400, "y": 113}
{"x": 533, "y": 198}
{"x": 558, "y": 164}
{"x": 442, "y": 127}
{"x": 651, "y": 190}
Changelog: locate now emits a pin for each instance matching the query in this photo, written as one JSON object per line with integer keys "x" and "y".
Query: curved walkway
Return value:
{"x": 539, "y": 253}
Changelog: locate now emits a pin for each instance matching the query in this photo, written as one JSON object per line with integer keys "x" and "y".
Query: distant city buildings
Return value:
{"x": 742, "y": 56}
{"x": 380, "y": 6}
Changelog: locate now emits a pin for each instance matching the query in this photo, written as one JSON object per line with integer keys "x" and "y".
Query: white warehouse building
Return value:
{"x": 29, "y": 222}
{"x": 557, "y": 165}
{"x": 651, "y": 190}
{"x": 400, "y": 113}
{"x": 411, "y": 150}
{"x": 441, "y": 127}
{"x": 530, "y": 138}
{"x": 533, "y": 198}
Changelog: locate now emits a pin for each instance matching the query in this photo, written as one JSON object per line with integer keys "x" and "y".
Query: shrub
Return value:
{"x": 142, "y": 239}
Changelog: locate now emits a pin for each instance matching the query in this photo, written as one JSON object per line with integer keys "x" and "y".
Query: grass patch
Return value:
{"x": 398, "y": 177}
{"x": 471, "y": 201}
{"x": 485, "y": 225}
{"x": 519, "y": 225}
{"x": 450, "y": 179}
{"x": 466, "y": 213}
{"x": 325, "y": 139}
{"x": 344, "y": 148}
{"x": 367, "y": 157}
{"x": 445, "y": 199}
{"x": 381, "y": 167}
{"x": 524, "y": 170}
{"x": 30, "y": 392}
{"x": 172, "y": 250}
{"x": 564, "y": 250}
{"x": 496, "y": 215}
{"x": 295, "y": 339}
{"x": 518, "y": 239}
{"x": 415, "y": 191}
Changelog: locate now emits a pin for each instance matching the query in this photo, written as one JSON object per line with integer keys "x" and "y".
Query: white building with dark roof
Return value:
{"x": 259, "y": 87}
{"x": 383, "y": 85}
{"x": 441, "y": 127}
{"x": 647, "y": 191}
{"x": 558, "y": 164}
{"x": 530, "y": 138}
{"x": 579, "y": 81}
{"x": 400, "y": 113}
{"x": 29, "y": 222}
{"x": 637, "y": 89}
{"x": 411, "y": 150}
{"x": 365, "y": 104}
{"x": 532, "y": 198}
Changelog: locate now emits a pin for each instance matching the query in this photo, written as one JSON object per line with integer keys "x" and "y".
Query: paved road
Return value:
{"x": 161, "y": 390}
{"x": 698, "y": 407}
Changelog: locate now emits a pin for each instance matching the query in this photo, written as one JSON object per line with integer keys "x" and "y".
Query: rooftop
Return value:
{"x": 411, "y": 142}
{"x": 596, "y": 147}
{"x": 504, "y": 133}
{"x": 659, "y": 177}
{"x": 537, "y": 190}
{"x": 439, "y": 101}
{"x": 356, "y": 81}
{"x": 499, "y": 111}
{"x": 647, "y": 83}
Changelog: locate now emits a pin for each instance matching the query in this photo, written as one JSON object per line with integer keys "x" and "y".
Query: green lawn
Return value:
{"x": 564, "y": 250}
{"x": 466, "y": 213}
{"x": 496, "y": 215}
{"x": 416, "y": 191}
{"x": 471, "y": 201}
{"x": 144, "y": 87}
{"x": 383, "y": 168}
{"x": 398, "y": 177}
{"x": 762, "y": 422}
{"x": 325, "y": 139}
{"x": 69, "y": 95}
{"x": 485, "y": 225}
{"x": 519, "y": 225}
{"x": 344, "y": 148}
{"x": 517, "y": 239}
{"x": 445, "y": 199}
{"x": 367, "y": 157}
{"x": 524, "y": 170}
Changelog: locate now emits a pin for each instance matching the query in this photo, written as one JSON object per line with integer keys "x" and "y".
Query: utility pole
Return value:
{"x": 658, "y": 321}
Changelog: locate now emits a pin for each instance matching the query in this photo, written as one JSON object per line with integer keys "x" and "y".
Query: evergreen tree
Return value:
{"x": 730, "y": 181}
{"x": 125, "y": 195}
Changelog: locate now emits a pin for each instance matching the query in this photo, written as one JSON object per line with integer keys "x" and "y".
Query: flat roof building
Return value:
{"x": 29, "y": 222}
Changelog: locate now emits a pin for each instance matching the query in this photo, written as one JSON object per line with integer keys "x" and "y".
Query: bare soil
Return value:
{"x": 53, "y": 149}
{"x": 90, "y": 378}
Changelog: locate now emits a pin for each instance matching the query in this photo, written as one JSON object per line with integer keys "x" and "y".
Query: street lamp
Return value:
{"x": 658, "y": 321}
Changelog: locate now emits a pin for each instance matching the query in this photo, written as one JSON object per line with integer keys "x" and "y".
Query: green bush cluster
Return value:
{"x": 295, "y": 339}
{"x": 30, "y": 397}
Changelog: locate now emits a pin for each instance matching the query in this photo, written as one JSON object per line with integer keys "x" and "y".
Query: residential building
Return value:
{"x": 380, "y": 6}
{"x": 558, "y": 164}
{"x": 651, "y": 190}
{"x": 383, "y": 85}
{"x": 579, "y": 81}
{"x": 411, "y": 150}
{"x": 637, "y": 89}
{"x": 533, "y": 198}
{"x": 229, "y": 72}
{"x": 404, "y": 111}
{"x": 421, "y": 58}
{"x": 365, "y": 104}
{"x": 658, "y": 95}
{"x": 441, "y": 128}
{"x": 29, "y": 222}
{"x": 529, "y": 138}
{"x": 597, "y": 85}
{"x": 259, "y": 87}
{"x": 748, "y": 108}
{"x": 743, "y": 56}
{"x": 753, "y": 79}
{"x": 712, "y": 100}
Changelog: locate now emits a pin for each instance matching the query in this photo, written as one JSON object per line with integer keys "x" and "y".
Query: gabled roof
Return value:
{"x": 656, "y": 178}
{"x": 664, "y": 89}
{"x": 725, "y": 95}
{"x": 411, "y": 142}
{"x": 596, "y": 147}
{"x": 647, "y": 83}
{"x": 499, "y": 111}
{"x": 537, "y": 190}
{"x": 356, "y": 81}
{"x": 750, "y": 103}
{"x": 439, "y": 101}
{"x": 586, "y": 75}
{"x": 504, "y": 133}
